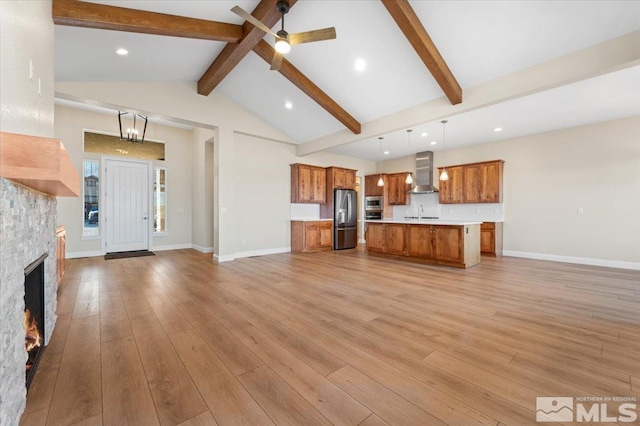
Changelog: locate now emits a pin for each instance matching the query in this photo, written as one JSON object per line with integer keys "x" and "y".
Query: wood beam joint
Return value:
{"x": 409, "y": 23}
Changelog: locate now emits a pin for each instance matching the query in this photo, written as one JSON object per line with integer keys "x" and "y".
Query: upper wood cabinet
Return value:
{"x": 339, "y": 178}
{"x": 451, "y": 189}
{"x": 397, "y": 189}
{"x": 371, "y": 188}
{"x": 308, "y": 184}
{"x": 473, "y": 183}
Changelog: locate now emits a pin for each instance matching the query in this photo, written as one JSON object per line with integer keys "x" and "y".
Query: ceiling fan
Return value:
{"x": 284, "y": 40}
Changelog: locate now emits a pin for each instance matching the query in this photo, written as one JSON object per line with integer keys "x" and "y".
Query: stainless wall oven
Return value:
{"x": 373, "y": 203}
{"x": 373, "y": 215}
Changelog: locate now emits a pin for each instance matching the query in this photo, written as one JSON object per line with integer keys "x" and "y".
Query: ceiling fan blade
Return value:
{"x": 315, "y": 35}
{"x": 248, "y": 17}
{"x": 277, "y": 61}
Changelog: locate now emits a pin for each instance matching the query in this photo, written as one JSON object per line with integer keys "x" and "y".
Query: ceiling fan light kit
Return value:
{"x": 284, "y": 40}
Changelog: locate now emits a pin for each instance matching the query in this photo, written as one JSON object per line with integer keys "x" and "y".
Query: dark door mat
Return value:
{"x": 125, "y": 254}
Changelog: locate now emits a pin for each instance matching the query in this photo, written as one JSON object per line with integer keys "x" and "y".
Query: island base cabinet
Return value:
{"x": 451, "y": 245}
{"x": 309, "y": 236}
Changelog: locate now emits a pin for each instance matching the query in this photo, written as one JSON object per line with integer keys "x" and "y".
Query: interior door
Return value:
{"x": 127, "y": 205}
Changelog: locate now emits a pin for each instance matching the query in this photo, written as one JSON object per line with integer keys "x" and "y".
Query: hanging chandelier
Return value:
{"x": 132, "y": 134}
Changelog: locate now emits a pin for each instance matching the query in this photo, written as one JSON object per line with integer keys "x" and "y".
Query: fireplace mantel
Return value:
{"x": 40, "y": 163}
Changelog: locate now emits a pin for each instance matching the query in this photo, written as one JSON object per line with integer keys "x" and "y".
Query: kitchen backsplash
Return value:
{"x": 493, "y": 212}
{"x": 305, "y": 211}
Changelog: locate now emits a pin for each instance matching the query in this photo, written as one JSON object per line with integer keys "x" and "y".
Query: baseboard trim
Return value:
{"x": 578, "y": 260}
{"x": 172, "y": 247}
{"x": 79, "y": 254}
{"x": 264, "y": 252}
{"x": 202, "y": 249}
{"x": 220, "y": 259}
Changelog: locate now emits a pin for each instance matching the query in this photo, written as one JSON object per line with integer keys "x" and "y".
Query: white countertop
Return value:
{"x": 309, "y": 220}
{"x": 425, "y": 222}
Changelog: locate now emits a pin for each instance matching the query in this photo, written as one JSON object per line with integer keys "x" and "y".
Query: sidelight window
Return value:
{"x": 91, "y": 188}
{"x": 159, "y": 200}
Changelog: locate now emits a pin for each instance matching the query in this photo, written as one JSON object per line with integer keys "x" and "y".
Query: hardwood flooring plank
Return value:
{"x": 77, "y": 394}
{"x": 91, "y": 421}
{"x": 169, "y": 316}
{"x": 423, "y": 395}
{"x": 283, "y": 404}
{"x": 35, "y": 417}
{"x": 87, "y": 300}
{"x": 373, "y": 420}
{"x": 304, "y": 349}
{"x": 114, "y": 327}
{"x": 386, "y": 404}
{"x": 236, "y": 356}
{"x": 336, "y": 405}
{"x": 204, "y": 419}
{"x": 227, "y": 399}
{"x": 41, "y": 389}
{"x": 125, "y": 392}
{"x": 174, "y": 394}
{"x": 635, "y": 383}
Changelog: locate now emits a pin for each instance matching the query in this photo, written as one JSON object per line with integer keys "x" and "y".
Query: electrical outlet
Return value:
{"x": 31, "y": 69}
{"x": 580, "y": 210}
{"x": 39, "y": 86}
{"x": 244, "y": 242}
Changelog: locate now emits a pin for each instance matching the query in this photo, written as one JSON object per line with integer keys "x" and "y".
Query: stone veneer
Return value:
{"x": 27, "y": 230}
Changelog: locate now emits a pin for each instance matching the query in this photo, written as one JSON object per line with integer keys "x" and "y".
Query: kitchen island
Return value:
{"x": 441, "y": 242}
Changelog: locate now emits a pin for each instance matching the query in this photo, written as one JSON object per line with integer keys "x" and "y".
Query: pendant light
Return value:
{"x": 444, "y": 175}
{"x": 132, "y": 134}
{"x": 380, "y": 181}
{"x": 409, "y": 179}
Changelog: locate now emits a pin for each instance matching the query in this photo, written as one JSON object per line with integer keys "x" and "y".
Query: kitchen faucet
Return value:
{"x": 420, "y": 211}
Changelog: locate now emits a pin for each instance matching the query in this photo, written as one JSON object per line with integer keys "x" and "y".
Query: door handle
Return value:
{"x": 144, "y": 218}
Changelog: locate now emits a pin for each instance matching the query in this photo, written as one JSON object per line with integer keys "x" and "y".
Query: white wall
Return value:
{"x": 548, "y": 176}
{"x": 202, "y": 175}
{"x": 70, "y": 125}
{"x": 27, "y": 35}
{"x": 262, "y": 192}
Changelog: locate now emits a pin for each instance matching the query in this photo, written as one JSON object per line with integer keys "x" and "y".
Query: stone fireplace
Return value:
{"x": 27, "y": 232}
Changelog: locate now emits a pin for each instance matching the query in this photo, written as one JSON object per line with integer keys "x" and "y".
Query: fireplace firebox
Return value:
{"x": 33, "y": 315}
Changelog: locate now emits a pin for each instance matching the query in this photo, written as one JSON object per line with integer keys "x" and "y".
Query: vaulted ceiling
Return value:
{"x": 400, "y": 43}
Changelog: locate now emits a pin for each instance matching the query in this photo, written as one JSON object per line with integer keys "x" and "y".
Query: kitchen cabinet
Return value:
{"x": 451, "y": 245}
{"x": 472, "y": 183}
{"x": 483, "y": 182}
{"x": 371, "y": 188}
{"x": 61, "y": 244}
{"x": 308, "y": 184}
{"x": 451, "y": 189}
{"x": 386, "y": 238}
{"x": 339, "y": 178}
{"x": 309, "y": 236}
{"x": 491, "y": 238}
{"x": 396, "y": 192}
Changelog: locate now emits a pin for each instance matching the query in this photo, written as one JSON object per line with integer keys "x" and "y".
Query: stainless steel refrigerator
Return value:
{"x": 345, "y": 223}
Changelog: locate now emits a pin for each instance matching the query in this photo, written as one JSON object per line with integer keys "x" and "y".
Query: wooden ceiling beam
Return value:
{"x": 409, "y": 23}
{"x": 233, "y": 53}
{"x": 266, "y": 52}
{"x": 76, "y": 13}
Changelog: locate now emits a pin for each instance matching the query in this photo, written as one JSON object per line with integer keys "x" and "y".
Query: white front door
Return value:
{"x": 127, "y": 205}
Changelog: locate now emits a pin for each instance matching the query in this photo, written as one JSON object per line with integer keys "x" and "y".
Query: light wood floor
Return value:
{"x": 332, "y": 338}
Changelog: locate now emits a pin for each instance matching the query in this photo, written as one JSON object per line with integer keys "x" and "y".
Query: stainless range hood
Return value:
{"x": 424, "y": 174}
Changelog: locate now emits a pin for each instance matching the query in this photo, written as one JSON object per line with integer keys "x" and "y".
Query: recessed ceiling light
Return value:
{"x": 386, "y": 153}
{"x": 360, "y": 65}
{"x": 497, "y": 129}
{"x": 424, "y": 134}
{"x": 433, "y": 142}
{"x": 122, "y": 51}
{"x": 288, "y": 105}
